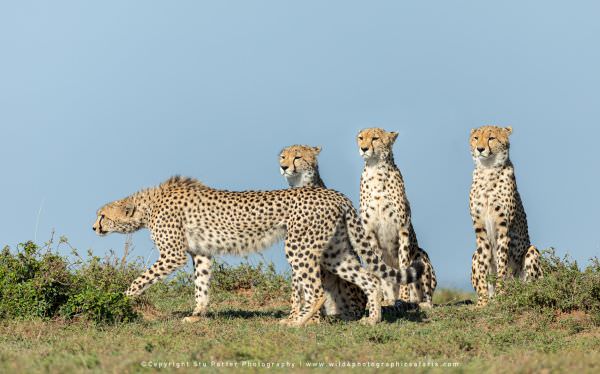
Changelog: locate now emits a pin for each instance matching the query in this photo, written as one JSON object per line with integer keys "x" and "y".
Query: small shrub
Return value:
{"x": 32, "y": 284}
{"x": 564, "y": 288}
{"x": 99, "y": 306}
{"x": 109, "y": 274}
{"x": 35, "y": 282}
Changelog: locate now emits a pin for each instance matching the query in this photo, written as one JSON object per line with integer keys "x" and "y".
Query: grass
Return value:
{"x": 515, "y": 334}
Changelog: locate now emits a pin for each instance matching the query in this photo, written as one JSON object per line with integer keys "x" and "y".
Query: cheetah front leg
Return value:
{"x": 168, "y": 262}
{"x": 202, "y": 274}
{"x": 475, "y": 277}
{"x": 501, "y": 257}
{"x": 404, "y": 291}
{"x": 481, "y": 265}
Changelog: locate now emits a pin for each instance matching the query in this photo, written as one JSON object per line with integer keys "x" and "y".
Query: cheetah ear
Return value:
{"x": 473, "y": 131}
{"x": 508, "y": 130}
{"x": 317, "y": 150}
{"x": 129, "y": 210}
{"x": 392, "y": 136}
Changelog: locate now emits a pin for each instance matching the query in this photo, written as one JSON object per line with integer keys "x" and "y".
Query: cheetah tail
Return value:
{"x": 369, "y": 251}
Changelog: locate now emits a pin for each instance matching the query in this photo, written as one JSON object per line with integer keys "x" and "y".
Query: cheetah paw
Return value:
{"x": 368, "y": 321}
{"x": 292, "y": 323}
{"x": 285, "y": 321}
{"x": 191, "y": 319}
{"x": 426, "y": 305}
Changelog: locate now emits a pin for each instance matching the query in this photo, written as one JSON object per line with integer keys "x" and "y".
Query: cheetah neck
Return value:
{"x": 490, "y": 176}
{"x": 143, "y": 201}
{"x": 496, "y": 161}
{"x": 378, "y": 178}
{"x": 307, "y": 178}
{"x": 384, "y": 165}
{"x": 382, "y": 160}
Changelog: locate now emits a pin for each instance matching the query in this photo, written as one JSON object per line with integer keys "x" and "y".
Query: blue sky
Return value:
{"x": 99, "y": 99}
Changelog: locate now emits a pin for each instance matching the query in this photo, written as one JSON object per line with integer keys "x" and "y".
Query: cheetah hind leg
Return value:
{"x": 296, "y": 301}
{"x": 427, "y": 283}
{"x": 347, "y": 267}
{"x": 428, "y": 290}
{"x": 311, "y": 286}
{"x": 309, "y": 313}
{"x": 354, "y": 301}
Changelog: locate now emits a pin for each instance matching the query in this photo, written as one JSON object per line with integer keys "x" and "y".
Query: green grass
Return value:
{"x": 511, "y": 335}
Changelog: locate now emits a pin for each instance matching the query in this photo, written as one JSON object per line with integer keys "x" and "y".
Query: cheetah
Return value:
{"x": 185, "y": 216}
{"x": 298, "y": 164}
{"x": 386, "y": 215}
{"x": 499, "y": 220}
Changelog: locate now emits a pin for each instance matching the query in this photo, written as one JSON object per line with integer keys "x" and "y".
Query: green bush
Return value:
{"x": 36, "y": 282}
{"x": 99, "y": 306}
{"x": 32, "y": 284}
{"x": 563, "y": 288}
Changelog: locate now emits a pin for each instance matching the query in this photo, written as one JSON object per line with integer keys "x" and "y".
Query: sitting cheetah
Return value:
{"x": 499, "y": 220}
{"x": 386, "y": 215}
{"x": 298, "y": 164}
{"x": 185, "y": 216}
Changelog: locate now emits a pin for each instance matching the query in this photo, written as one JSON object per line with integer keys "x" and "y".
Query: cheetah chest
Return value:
{"x": 489, "y": 205}
{"x": 380, "y": 209}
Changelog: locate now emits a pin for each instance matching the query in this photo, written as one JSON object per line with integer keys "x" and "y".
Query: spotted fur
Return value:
{"x": 184, "y": 216}
{"x": 499, "y": 220}
{"x": 298, "y": 164}
{"x": 386, "y": 215}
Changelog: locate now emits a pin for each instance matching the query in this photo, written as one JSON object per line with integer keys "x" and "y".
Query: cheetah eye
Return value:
{"x": 375, "y": 138}
{"x": 360, "y": 138}
{"x": 492, "y": 138}
{"x": 297, "y": 158}
{"x": 475, "y": 138}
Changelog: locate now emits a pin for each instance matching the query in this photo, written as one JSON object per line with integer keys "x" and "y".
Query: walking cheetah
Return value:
{"x": 386, "y": 215}
{"x": 185, "y": 216}
{"x": 499, "y": 220}
{"x": 298, "y": 164}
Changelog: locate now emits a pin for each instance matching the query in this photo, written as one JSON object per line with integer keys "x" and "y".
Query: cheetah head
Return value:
{"x": 490, "y": 145}
{"x": 375, "y": 143}
{"x": 120, "y": 216}
{"x": 296, "y": 160}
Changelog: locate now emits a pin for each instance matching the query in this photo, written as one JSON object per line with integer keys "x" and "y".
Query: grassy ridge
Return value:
{"x": 551, "y": 324}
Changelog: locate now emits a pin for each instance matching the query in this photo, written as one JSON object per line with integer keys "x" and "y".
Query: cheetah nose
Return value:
{"x": 284, "y": 168}
{"x": 480, "y": 149}
{"x": 364, "y": 149}
{"x": 94, "y": 228}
